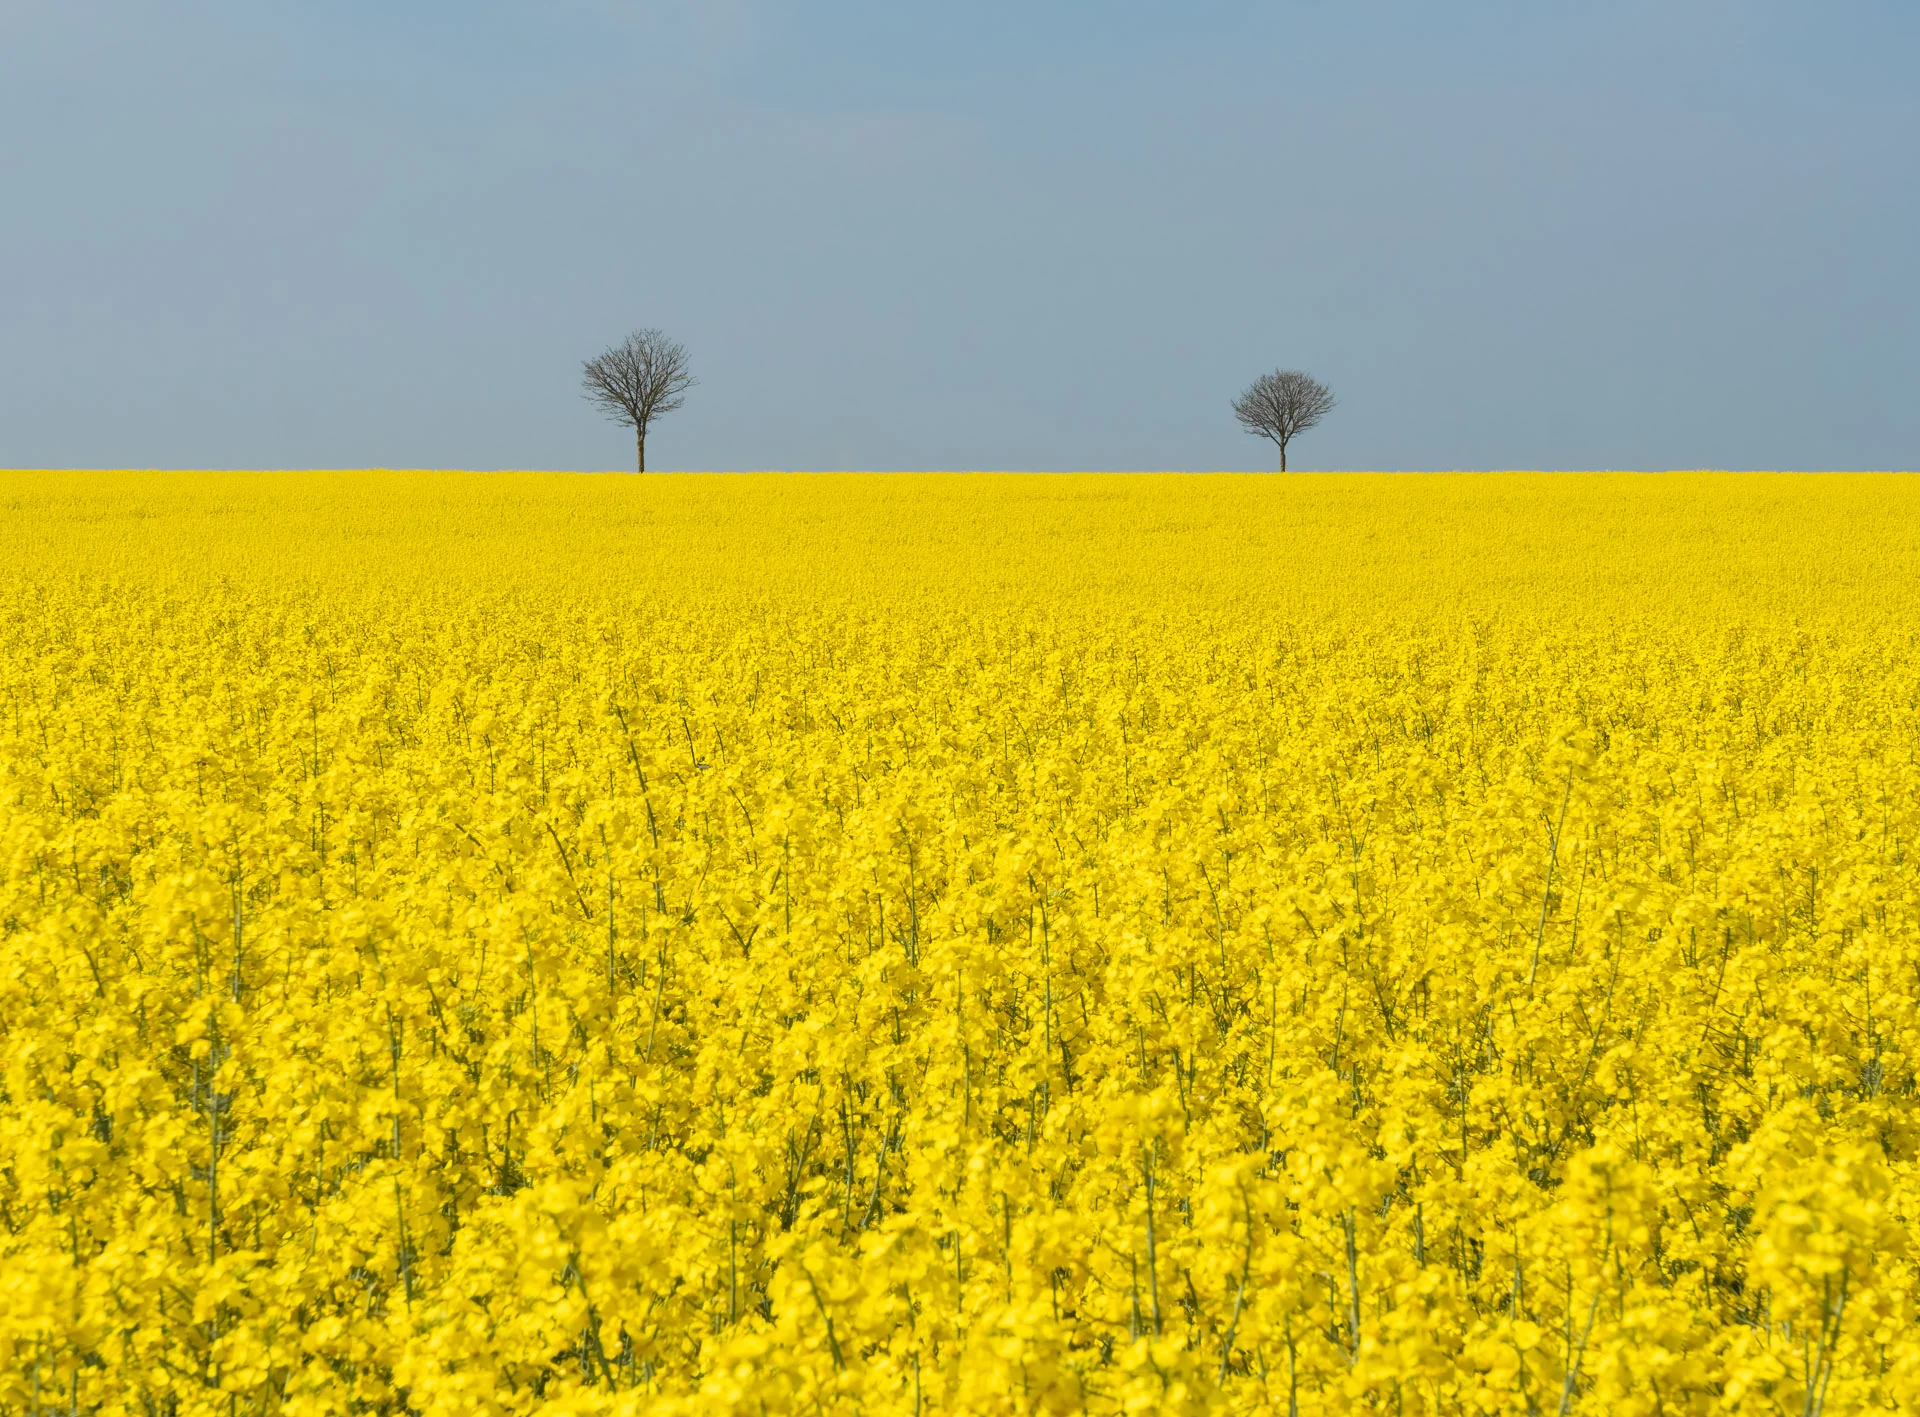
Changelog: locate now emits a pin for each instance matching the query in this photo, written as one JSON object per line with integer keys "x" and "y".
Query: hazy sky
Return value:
{"x": 995, "y": 234}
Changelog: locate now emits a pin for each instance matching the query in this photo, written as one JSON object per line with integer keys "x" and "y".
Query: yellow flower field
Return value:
{"x": 554, "y": 944}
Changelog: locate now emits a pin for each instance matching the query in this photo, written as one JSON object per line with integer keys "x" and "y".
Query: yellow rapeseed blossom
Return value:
{"x": 774, "y": 945}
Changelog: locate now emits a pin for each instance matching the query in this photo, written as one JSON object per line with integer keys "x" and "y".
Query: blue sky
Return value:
{"x": 286, "y": 233}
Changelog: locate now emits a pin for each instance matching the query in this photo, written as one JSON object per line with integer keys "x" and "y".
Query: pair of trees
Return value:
{"x": 637, "y": 381}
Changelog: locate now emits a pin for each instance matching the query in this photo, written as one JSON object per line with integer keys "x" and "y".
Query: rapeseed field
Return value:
{"x": 773, "y": 945}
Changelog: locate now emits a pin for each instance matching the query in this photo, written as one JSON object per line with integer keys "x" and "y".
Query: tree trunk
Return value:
{"x": 640, "y": 439}
{"x": 1283, "y": 455}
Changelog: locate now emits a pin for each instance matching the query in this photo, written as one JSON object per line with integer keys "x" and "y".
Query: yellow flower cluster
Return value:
{"x": 543, "y": 944}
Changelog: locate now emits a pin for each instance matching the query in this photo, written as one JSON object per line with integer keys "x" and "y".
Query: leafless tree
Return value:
{"x": 1282, "y": 404}
{"x": 635, "y": 382}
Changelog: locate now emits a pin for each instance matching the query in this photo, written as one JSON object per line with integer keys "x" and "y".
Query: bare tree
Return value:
{"x": 1282, "y": 404}
{"x": 635, "y": 382}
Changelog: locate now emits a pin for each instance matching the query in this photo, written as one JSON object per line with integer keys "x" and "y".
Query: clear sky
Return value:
{"x": 996, "y": 234}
